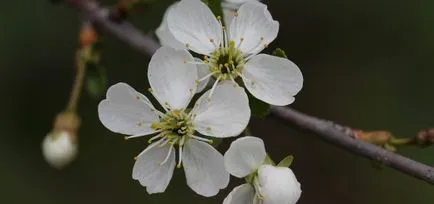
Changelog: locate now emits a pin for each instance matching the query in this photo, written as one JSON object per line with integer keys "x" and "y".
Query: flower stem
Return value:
{"x": 80, "y": 66}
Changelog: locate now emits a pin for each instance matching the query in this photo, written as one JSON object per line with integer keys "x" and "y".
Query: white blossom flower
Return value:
{"x": 268, "y": 184}
{"x": 172, "y": 82}
{"x": 59, "y": 149}
{"x": 233, "y": 52}
{"x": 166, "y": 37}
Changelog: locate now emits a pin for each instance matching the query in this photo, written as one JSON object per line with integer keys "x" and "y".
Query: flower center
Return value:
{"x": 226, "y": 62}
{"x": 176, "y": 126}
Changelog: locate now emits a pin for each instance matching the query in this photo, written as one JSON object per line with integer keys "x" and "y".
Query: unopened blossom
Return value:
{"x": 59, "y": 148}
{"x": 233, "y": 52}
{"x": 267, "y": 184}
{"x": 177, "y": 127}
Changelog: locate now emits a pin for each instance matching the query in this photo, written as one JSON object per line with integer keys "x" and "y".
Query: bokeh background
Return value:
{"x": 367, "y": 63}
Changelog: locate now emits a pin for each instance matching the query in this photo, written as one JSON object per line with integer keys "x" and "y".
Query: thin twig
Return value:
{"x": 326, "y": 130}
{"x": 332, "y": 133}
{"x": 80, "y": 72}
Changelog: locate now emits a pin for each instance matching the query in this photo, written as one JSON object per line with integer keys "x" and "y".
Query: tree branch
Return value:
{"x": 336, "y": 135}
{"x": 326, "y": 130}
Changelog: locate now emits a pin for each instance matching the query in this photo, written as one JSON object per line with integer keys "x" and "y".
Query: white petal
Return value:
{"x": 204, "y": 168}
{"x": 173, "y": 81}
{"x": 59, "y": 148}
{"x": 226, "y": 114}
{"x": 165, "y": 36}
{"x": 193, "y": 23}
{"x": 127, "y": 111}
{"x": 244, "y": 156}
{"x": 240, "y": 1}
{"x": 228, "y": 15}
{"x": 202, "y": 71}
{"x": 274, "y": 80}
{"x": 243, "y": 194}
{"x": 253, "y": 23}
{"x": 278, "y": 185}
{"x": 149, "y": 171}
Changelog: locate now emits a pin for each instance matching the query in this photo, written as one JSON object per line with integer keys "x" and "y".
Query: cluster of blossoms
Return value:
{"x": 183, "y": 131}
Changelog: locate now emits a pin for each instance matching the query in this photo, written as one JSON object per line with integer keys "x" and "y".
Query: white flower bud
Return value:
{"x": 59, "y": 149}
{"x": 278, "y": 185}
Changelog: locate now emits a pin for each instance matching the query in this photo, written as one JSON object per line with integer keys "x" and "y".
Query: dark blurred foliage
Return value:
{"x": 368, "y": 64}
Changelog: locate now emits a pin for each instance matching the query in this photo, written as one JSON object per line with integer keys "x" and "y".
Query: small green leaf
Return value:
{"x": 278, "y": 52}
{"x": 258, "y": 108}
{"x": 96, "y": 80}
{"x": 286, "y": 162}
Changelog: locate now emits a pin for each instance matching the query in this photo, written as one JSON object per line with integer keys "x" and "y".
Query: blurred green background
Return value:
{"x": 367, "y": 64}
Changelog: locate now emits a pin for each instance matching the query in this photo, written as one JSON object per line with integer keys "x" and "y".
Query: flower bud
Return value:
{"x": 374, "y": 137}
{"x": 278, "y": 185}
{"x": 88, "y": 35}
{"x": 425, "y": 137}
{"x": 59, "y": 148}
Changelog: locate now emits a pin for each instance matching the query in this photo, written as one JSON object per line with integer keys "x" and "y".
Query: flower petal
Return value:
{"x": 229, "y": 15}
{"x": 173, "y": 81}
{"x": 202, "y": 71}
{"x": 226, "y": 114}
{"x": 243, "y": 194}
{"x": 278, "y": 185}
{"x": 255, "y": 26}
{"x": 127, "y": 111}
{"x": 193, "y": 23}
{"x": 244, "y": 156}
{"x": 149, "y": 171}
{"x": 274, "y": 80}
{"x": 204, "y": 168}
{"x": 165, "y": 36}
{"x": 240, "y": 1}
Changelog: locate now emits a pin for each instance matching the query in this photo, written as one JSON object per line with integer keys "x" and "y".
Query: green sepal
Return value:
{"x": 257, "y": 107}
{"x": 268, "y": 161}
{"x": 286, "y": 162}
{"x": 249, "y": 178}
{"x": 278, "y": 52}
